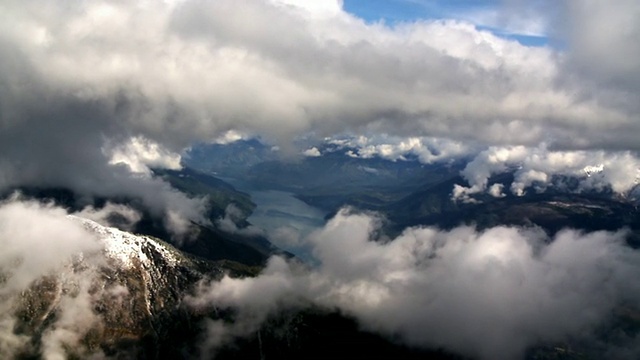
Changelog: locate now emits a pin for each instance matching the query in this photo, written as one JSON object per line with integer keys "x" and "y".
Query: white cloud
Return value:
{"x": 619, "y": 171}
{"x": 113, "y": 215}
{"x": 40, "y": 241}
{"x": 141, "y": 154}
{"x": 488, "y": 294}
{"x": 75, "y": 318}
{"x": 603, "y": 48}
{"x": 427, "y": 149}
{"x": 496, "y": 190}
{"x": 36, "y": 239}
{"x": 163, "y": 76}
{"x": 334, "y": 73}
{"x": 325, "y": 8}
{"x": 312, "y": 152}
{"x": 529, "y": 18}
{"x": 285, "y": 237}
{"x": 229, "y": 137}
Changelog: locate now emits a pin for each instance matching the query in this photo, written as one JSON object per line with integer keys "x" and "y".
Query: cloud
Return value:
{"x": 141, "y": 154}
{"x": 98, "y": 83}
{"x": 595, "y": 170}
{"x": 87, "y": 80}
{"x": 496, "y": 190}
{"x": 113, "y": 215}
{"x": 74, "y": 319}
{"x": 229, "y": 223}
{"x": 314, "y": 8}
{"x": 26, "y": 226}
{"x": 603, "y": 49}
{"x": 229, "y": 137}
{"x": 312, "y": 152}
{"x": 490, "y": 294}
{"x": 511, "y": 21}
{"x": 41, "y": 242}
{"x": 427, "y": 149}
{"x": 335, "y": 73}
{"x": 286, "y": 237}
{"x": 66, "y": 280}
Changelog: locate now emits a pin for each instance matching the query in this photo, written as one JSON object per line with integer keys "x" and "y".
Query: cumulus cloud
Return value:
{"x": 314, "y": 8}
{"x": 95, "y": 83}
{"x": 141, "y": 154}
{"x": 427, "y": 149}
{"x": 334, "y": 73}
{"x": 312, "y": 152}
{"x": 595, "y": 170}
{"x": 496, "y": 190}
{"x": 490, "y": 294}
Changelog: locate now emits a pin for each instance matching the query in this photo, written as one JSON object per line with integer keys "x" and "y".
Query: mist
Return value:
{"x": 484, "y": 294}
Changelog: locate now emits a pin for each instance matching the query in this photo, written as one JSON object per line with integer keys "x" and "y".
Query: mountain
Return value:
{"x": 231, "y": 159}
{"x": 328, "y": 181}
{"x": 409, "y": 193}
{"x": 207, "y": 241}
{"x": 130, "y": 294}
{"x": 126, "y": 302}
{"x": 219, "y": 193}
{"x": 552, "y": 210}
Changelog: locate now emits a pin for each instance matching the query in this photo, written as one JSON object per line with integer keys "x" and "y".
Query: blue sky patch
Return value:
{"x": 485, "y": 14}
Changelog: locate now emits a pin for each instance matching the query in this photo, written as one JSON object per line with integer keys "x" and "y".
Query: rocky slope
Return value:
{"x": 122, "y": 301}
{"x": 125, "y": 301}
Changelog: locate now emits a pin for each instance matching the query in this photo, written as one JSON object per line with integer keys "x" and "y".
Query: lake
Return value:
{"x": 285, "y": 218}
{"x": 276, "y": 209}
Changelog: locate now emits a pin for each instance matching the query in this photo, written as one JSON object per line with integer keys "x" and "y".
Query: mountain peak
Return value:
{"x": 127, "y": 248}
{"x": 593, "y": 169}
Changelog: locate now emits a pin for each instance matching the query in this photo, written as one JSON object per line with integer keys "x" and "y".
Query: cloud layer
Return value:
{"x": 536, "y": 168}
{"x": 490, "y": 294}
{"x": 88, "y": 84}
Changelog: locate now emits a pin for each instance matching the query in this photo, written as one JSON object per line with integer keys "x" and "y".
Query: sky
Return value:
{"x": 93, "y": 93}
{"x": 530, "y": 28}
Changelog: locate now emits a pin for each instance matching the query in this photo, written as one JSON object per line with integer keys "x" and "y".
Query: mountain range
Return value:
{"x": 135, "y": 290}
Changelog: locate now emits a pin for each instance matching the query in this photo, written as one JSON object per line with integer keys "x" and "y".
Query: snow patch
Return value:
{"x": 126, "y": 248}
{"x": 596, "y": 169}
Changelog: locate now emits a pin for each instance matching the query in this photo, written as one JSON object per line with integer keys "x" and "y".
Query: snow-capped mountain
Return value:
{"x": 123, "y": 300}
{"x": 130, "y": 250}
{"x": 593, "y": 169}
